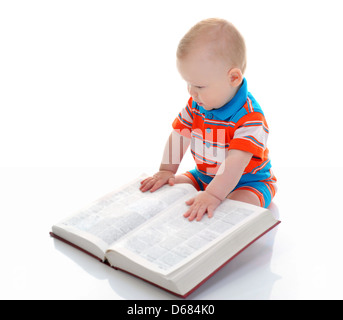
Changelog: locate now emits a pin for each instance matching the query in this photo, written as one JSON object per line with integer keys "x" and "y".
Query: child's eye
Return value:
{"x": 200, "y": 87}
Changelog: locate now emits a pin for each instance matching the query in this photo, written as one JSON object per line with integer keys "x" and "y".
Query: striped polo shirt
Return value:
{"x": 239, "y": 124}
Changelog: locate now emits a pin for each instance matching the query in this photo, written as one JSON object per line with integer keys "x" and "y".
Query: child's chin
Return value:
{"x": 207, "y": 108}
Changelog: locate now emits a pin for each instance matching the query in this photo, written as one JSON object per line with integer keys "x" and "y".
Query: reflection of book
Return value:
{"x": 146, "y": 235}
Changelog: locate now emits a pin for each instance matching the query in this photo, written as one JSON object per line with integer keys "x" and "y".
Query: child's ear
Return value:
{"x": 235, "y": 77}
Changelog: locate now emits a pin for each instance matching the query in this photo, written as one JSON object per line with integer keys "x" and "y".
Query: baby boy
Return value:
{"x": 222, "y": 122}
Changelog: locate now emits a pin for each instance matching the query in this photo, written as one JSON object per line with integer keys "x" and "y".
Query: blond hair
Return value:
{"x": 224, "y": 39}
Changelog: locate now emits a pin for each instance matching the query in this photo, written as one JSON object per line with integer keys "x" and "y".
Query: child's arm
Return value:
{"x": 174, "y": 151}
{"x": 226, "y": 179}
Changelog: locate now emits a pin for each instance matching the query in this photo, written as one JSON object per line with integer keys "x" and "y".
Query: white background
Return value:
{"x": 88, "y": 92}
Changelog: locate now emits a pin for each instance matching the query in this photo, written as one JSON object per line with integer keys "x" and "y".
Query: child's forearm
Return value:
{"x": 174, "y": 151}
{"x": 172, "y": 156}
{"x": 229, "y": 173}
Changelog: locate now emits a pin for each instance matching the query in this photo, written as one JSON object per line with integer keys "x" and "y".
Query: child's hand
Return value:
{"x": 202, "y": 203}
{"x": 157, "y": 181}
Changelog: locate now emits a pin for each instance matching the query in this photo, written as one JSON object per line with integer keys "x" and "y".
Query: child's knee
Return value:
{"x": 245, "y": 196}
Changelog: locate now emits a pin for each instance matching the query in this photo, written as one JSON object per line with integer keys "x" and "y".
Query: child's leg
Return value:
{"x": 259, "y": 193}
{"x": 191, "y": 178}
{"x": 245, "y": 196}
{"x": 183, "y": 179}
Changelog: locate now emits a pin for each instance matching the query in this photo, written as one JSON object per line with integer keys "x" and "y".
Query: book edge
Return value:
{"x": 53, "y": 235}
{"x": 226, "y": 262}
{"x": 184, "y": 296}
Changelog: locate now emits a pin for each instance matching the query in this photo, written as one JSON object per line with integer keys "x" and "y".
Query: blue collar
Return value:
{"x": 229, "y": 109}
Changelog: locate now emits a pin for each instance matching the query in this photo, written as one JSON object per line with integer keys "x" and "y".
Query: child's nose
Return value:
{"x": 192, "y": 91}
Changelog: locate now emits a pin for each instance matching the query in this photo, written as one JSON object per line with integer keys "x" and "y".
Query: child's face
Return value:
{"x": 209, "y": 80}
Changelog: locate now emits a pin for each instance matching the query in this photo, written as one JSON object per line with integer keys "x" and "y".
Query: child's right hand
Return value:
{"x": 158, "y": 180}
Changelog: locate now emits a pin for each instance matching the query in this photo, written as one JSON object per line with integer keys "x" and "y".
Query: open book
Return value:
{"x": 146, "y": 235}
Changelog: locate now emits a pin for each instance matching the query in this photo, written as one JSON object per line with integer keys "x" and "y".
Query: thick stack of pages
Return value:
{"x": 146, "y": 235}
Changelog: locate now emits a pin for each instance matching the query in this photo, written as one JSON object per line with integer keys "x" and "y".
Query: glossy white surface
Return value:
{"x": 301, "y": 259}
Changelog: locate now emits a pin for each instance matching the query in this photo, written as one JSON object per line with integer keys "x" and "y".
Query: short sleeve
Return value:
{"x": 184, "y": 121}
{"x": 251, "y": 134}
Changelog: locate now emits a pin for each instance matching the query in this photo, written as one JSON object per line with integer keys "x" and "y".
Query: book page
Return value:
{"x": 117, "y": 214}
{"x": 171, "y": 240}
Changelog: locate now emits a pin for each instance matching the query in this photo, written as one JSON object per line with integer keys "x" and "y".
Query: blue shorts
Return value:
{"x": 265, "y": 189}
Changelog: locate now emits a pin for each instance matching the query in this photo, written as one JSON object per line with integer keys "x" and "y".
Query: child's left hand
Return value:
{"x": 202, "y": 203}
